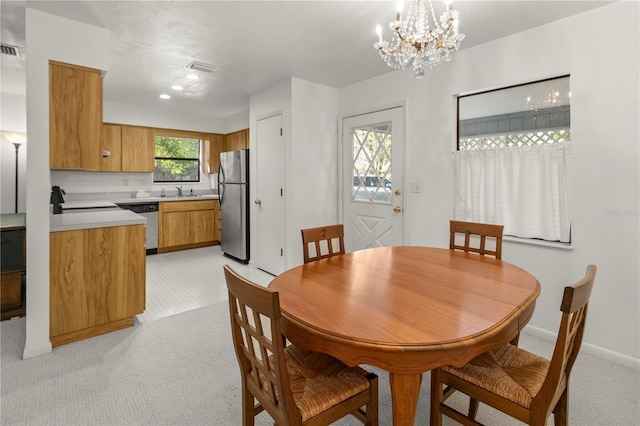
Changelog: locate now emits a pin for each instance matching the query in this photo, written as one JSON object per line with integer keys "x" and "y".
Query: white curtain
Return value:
{"x": 523, "y": 188}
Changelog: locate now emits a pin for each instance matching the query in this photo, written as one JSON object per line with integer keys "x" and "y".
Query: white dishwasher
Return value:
{"x": 150, "y": 211}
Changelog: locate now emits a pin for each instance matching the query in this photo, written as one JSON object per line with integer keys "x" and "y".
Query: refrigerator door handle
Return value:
{"x": 220, "y": 185}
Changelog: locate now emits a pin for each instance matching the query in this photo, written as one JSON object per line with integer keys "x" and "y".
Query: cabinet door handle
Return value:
{"x": 258, "y": 202}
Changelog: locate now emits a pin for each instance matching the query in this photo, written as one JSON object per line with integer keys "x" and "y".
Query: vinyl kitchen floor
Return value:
{"x": 184, "y": 280}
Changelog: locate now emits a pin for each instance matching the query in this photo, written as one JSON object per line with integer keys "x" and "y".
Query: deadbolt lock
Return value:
{"x": 397, "y": 209}
{"x": 398, "y": 192}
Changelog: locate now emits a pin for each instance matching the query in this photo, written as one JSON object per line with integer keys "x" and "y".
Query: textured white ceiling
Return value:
{"x": 254, "y": 43}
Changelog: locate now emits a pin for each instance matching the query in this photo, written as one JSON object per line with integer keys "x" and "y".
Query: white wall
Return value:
{"x": 13, "y": 120}
{"x": 48, "y": 37}
{"x": 273, "y": 100}
{"x": 313, "y": 171}
{"x": 120, "y": 113}
{"x": 604, "y": 162}
{"x": 235, "y": 122}
{"x": 311, "y": 174}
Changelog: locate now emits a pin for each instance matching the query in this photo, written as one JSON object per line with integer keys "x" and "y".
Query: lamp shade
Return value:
{"x": 15, "y": 138}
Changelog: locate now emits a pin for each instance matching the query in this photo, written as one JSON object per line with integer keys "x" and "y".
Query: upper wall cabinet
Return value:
{"x": 111, "y": 148}
{"x": 75, "y": 117}
{"x": 137, "y": 149}
{"x": 216, "y": 145}
{"x": 127, "y": 149}
{"x": 236, "y": 140}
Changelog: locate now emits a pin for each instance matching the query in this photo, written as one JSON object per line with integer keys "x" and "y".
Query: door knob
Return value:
{"x": 397, "y": 209}
{"x": 258, "y": 201}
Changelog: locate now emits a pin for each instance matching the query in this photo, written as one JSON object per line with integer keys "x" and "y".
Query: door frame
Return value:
{"x": 341, "y": 117}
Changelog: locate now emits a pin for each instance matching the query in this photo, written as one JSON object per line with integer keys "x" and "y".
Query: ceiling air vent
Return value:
{"x": 201, "y": 66}
{"x": 10, "y": 50}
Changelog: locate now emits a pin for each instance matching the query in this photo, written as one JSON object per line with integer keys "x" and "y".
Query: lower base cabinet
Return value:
{"x": 187, "y": 224}
{"x": 12, "y": 294}
{"x": 97, "y": 281}
{"x": 12, "y": 275}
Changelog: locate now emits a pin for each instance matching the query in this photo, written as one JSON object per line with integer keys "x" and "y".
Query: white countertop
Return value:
{"x": 163, "y": 199}
{"x": 95, "y": 219}
{"x": 75, "y": 218}
{"x": 88, "y": 204}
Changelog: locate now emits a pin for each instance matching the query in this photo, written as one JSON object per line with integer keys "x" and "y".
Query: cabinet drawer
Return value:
{"x": 185, "y": 206}
{"x": 11, "y": 289}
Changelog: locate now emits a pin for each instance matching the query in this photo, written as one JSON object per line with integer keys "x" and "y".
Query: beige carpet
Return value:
{"x": 181, "y": 370}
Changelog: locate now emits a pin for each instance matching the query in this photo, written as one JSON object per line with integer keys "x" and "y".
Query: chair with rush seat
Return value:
{"x": 481, "y": 230}
{"x": 514, "y": 381}
{"x": 296, "y": 387}
{"x": 323, "y": 239}
{"x": 478, "y": 231}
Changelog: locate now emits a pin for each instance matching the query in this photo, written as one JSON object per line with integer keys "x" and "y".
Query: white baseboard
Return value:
{"x": 594, "y": 350}
{"x": 32, "y": 352}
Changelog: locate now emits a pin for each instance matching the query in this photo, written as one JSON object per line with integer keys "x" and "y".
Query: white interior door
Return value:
{"x": 269, "y": 202}
{"x": 373, "y": 147}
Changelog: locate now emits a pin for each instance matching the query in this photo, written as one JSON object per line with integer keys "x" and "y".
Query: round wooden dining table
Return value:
{"x": 405, "y": 310}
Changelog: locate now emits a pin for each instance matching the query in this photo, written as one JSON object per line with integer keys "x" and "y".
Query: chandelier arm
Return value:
{"x": 415, "y": 44}
{"x": 433, "y": 14}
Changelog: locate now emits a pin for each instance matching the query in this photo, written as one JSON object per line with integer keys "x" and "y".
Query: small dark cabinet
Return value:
{"x": 13, "y": 267}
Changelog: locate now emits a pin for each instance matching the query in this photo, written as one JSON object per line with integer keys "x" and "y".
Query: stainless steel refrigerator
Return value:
{"x": 233, "y": 191}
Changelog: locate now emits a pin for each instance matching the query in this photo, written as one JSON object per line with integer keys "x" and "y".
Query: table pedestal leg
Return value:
{"x": 405, "y": 389}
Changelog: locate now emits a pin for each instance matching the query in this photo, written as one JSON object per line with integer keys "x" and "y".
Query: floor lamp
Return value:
{"x": 16, "y": 139}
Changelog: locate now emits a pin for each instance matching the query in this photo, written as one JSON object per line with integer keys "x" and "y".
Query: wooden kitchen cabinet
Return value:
{"x": 236, "y": 140}
{"x": 186, "y": 224}
{"x": 75, "y": 117}
{"x": 131, "y": 148}
{"x": 216, "y": 145}
{"x": 138, "y": 149}
{"x": 111, "y": 142}
{"x": 13, "y": 265}
{"x": 218, "y": 230}
{"x": 97, "y": 281}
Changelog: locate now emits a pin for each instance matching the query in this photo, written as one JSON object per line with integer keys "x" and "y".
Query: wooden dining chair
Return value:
{"x": 514, "y": 381}
{"x": 295, "y": 386}
{"x": 482, "y": 231}
{"x": 324, "y": 239}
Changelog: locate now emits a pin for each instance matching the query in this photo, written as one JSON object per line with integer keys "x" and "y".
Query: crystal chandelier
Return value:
{"x": 417, "y": 41}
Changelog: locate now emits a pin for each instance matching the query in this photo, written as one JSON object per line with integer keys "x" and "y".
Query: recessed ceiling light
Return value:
{"x": 193, "y": 77}
{"x": 176, "y": 87}
{"x": 165, "y": 96}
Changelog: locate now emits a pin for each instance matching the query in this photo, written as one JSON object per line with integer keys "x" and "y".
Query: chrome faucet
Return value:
{"x": 179, "y": 188}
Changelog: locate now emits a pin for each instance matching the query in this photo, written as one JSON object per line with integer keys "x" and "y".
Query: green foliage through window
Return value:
{"x": 176, "y": 160}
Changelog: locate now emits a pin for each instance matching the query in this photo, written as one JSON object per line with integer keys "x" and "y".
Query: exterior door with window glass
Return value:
{"x": 372, "y": 179}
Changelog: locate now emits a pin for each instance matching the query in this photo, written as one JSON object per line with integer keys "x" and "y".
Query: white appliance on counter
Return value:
{"x": 233, "y": 194}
